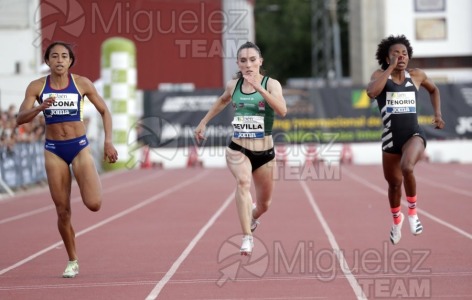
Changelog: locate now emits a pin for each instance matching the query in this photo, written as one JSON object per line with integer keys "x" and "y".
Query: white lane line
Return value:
{"x": 447, "y": 172}
{"x": 44, "y": 189}
{"x": 76, "y": 199}
{"x": 160, "y": 285}
{"x": 110, "y": 219}
{"x": 446, "y": 187}
{"x": 405, "y": 203}
{"x": 334, "y": 244}
{"x": 213, "y": 280}
{"x": 31, "y": 213}
{"x": 463, "y": 174}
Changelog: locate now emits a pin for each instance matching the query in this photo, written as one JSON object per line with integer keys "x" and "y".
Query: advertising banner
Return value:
{"x": 22, "y": 164}
{"x": 170, "y": 119}
{"x": 342, "y": 114}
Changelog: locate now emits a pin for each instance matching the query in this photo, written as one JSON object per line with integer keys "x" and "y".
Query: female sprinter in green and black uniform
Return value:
{"x": 255, "y": 99}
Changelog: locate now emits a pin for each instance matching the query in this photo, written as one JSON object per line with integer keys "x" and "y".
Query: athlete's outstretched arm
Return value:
{"x": 215, "y": 109}
{"x": 379, "y": 78}
{"x": 434, "y": 95}
{"x": 89, "y": 90}
{"x": 273, "y": 95}
{"x": 28, "y": 111}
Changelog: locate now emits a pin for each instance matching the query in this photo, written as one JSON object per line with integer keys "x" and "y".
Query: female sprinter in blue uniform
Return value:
{"x": 60, "y": 97}
{"x": 255, "y": 98}
{"x": 403, "y": 141}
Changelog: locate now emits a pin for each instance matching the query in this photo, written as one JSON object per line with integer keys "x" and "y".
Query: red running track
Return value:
{"x": 174, "y": 234}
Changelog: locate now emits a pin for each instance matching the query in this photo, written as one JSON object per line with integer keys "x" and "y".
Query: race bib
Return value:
{"x": 248, "y": 127}
{"x": 65, "y": 104}
{"x": 401, "y": 103}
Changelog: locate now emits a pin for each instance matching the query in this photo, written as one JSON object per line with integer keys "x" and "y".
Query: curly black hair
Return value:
{"x": 384, "y": 47}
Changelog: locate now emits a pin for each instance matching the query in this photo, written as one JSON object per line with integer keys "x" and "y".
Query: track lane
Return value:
{"x": 128, "y": 256}
{"x": 292, "y": 260}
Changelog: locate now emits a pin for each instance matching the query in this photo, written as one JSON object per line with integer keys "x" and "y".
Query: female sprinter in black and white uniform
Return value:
{"x": 403, "y": 141}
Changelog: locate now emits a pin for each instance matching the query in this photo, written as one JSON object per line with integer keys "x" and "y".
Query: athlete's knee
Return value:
{"x": 395, "y": 185}
{"x": 243, "y": 182}
{"x": 407, "y": 168}
{"x": 94, "y": 205}
{"x": 263, "y": 207}
{"x": 63, "y": 214}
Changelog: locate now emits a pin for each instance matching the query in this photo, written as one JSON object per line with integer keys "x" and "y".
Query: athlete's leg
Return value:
{"x": 87, "y": 178}
{"x": 59, "y": 180}
{"x": 393, "y": 175}
{"x": 412, "y": 152}
{"x": 264, "y": 185}
{"x": 241, "y": 168}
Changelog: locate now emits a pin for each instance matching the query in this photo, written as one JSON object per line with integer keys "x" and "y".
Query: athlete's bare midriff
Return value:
{"x": 265, "y": 143}
{"x": 65, "y": 131}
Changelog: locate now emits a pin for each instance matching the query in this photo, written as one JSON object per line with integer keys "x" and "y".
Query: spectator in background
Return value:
{"x": 66, "y": 144}
{"x": 39, "y": 128}
{"x": 25, "y": 133}
{"x": 11, "y": 133}
{"x": 8, "y": 129}
{"x": 11, "y": 113}
{"x": 3, "y": 125}
{"x": 395, "y": 88}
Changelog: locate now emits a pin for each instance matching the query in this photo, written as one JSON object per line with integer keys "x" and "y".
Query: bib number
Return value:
{"x": 248, "y": 127}
{"x": 64, "y": 104}
{"x": 401, "y": 103}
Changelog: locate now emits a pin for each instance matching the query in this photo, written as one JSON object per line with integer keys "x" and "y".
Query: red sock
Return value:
{"x": 411, "y": 205}
{"x": 396, "y": 214}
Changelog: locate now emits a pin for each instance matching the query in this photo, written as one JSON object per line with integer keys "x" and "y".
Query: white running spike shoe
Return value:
{"x": 71, "y": 270}
{"x": 254, "y": 222}
{"x": 416, "y": 227}
{"x": 396, "y": 231}
{"x": 247, "y": 245}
